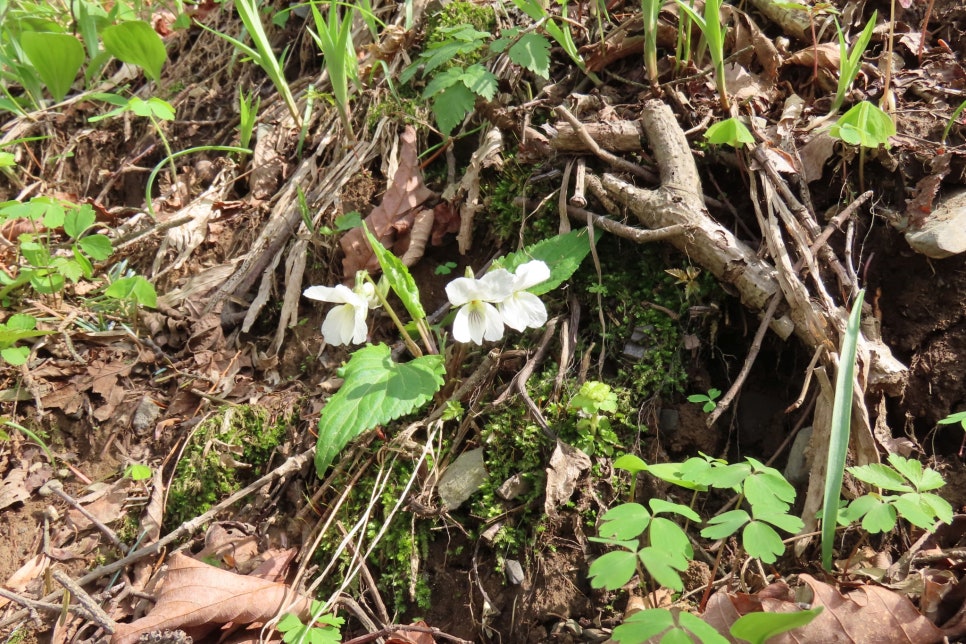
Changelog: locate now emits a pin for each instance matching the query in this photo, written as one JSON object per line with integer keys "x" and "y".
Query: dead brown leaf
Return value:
{"x": 198, "y": 598}
{"x": 871, "y": 614}
{"x": 566, "y": 465}
{"x": 406, "y": 192}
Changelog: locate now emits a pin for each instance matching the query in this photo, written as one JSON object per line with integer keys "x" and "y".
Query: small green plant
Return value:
{"x": 850, "y": 61}
{"x": 714, "y": 36}
{"x": 730, "y": 131}
{"x": 865, "y": 125}
{"x": 445, "y": 268}
{"x": 593, "y": 403}
{"x": 838, "y": 445}
{"x": 17, "y": 327}
{"x": 912, "y": 500}
{"x": 324, "y": 629}
{"x": 707, "y": 401}
{"x": 333, "y": 35}
{"x": 648, "y": 542}
{"x": 37, "y": 437}
{"x": 247, "y": 115}
{"x": 42, "y": 269}
{"x": 261, "y": 53}
{"x": 952, "y": 121}
{"x": 137, "y": 472}
{"x": 687, "y": 276}
{"x": 650, "y": 10}
{"x": 538, "y": 12}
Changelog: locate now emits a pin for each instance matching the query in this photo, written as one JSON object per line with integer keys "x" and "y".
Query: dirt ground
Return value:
{"x": 118, "y": 391}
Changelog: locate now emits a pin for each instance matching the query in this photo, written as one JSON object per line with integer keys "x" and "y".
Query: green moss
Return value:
{"x": 505, "y": 220}
{"x": 226, "y": 452}
{"x": 456, "y": 14}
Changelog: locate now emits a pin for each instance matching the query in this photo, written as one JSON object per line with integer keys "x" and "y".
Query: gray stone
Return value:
{"x": 514, "y": 571}
{"x": 513, "y": 487}
{"x": 944, "y": 232}
{"x": 462, "y": 478}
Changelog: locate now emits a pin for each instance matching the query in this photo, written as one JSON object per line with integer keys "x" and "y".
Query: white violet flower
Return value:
{"x": 345, "y": 323}
{"x": 477, "y": 318}
{"x": 522, "y": 309}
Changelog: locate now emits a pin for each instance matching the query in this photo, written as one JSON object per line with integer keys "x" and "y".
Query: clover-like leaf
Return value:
{"x": 725, "y": 524}
{"x": 613, "y": 569}
{"x": 761, "y": 541}
{"x": 625, "y": 521}
{"x": 881, "y": 476}
{"x": 376, "y": 390}
{"x": 664, "y": 566}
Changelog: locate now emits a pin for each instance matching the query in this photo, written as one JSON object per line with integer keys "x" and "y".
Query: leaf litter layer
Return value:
{"x": 787, "y": 230}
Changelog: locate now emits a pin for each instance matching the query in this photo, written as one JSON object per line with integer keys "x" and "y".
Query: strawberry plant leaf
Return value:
{"x": 532, "y": 52}
{"x": 451, "y": 106}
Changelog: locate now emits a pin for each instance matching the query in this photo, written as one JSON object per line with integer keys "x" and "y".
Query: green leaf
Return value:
{"x": 78, "y": 220}
{"x": 758, "y": 627}
{"x": 671, "y": 473}
{"x": 69, "y": 268}
{"x": 644, "y": 625}
{"x": 134, "y": 288}
{"x": 397, "y": 274}
{"x": 700, "y": 628}
{"x": 881, "y": 517}
{"x": 154, "y": 106}
{"x": 725, "y": 525}
{"x": 858, "y": 508}
{"x": 613, "y": 569}
{"x": 866, "y": 125}
{"x": 660, "y": 506}
{"x": 630, "y": 463}
{"x": 562, "y": 253}
{"x": 939, "y": 506}
{"x": 376, "y": 390}
{"x": 137, "y": 472}
{"x": 532, "y": 52}
{"x": 56, "y": 57}
{"x": 348, "y": 221}
{"x": 959, "y": 417}
{"x": 666, "y": 535}
{"x": 839, "y": 440}
{"x": 881, "y": 476}
{"x": 910, "y": 507}
{"x": 625, "y": 521}
{"x": 479, "y": 80}
{"x": 98, "y": 247}
{"x": 769, "y": 491}
{"x": 787, "y": 522}
{"x": 451, "y": 106}
{"x": 15, "y": 356}
{"x": 137, "y": 43}
{"x": 729, "y": 132}
{"x": 20, "y": 322}
{"x": 664, "y": 565}
{"x": 761, "y": 541}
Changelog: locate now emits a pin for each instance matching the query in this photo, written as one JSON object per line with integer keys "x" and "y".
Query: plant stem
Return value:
{"x": 412, "y": 346}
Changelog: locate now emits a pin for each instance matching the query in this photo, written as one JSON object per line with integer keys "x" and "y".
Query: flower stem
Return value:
{"x": 412, "y": 346}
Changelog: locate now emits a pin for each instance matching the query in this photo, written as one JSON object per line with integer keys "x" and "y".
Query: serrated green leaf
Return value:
{"x": 562, "y": 253}
{"x": 98, "y": 247}
{"x": 664, "y": 566}
{"x": 479, "y": 80}
{"x": 758, "y": 627}
{"x": 137, "y": 43}
{"x": 644, "y": 625}
{"x": 939, "y": 506}
{"x": 376, "y": 390}
{"x": 532, "y": 52}
{"x": 506, "y": 37}
{"x": 56, "y": 57}
{"x": 625, "y": 521}
{"x": 881, "y": 476}
{"x": 881, "y": 517}
{"x": 442, "y": 81}
{"x": 398, "y": 276}
{"x": 451, "y": 106}
{"x": 78, "y": 220}
{"x": 445, "y": 53}
{"x": 69, "y": 268}
{"x": 613, "y": 569}
{"x": 761, "y": 541}
{"x": 910, "y": 507}
{"x": 725, "y": 524}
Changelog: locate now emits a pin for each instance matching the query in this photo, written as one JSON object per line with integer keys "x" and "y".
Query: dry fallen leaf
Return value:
{"x": 406, "y": 192}
{"x": 870, "y": 614}
{"x": 566, "y": 465}
{"x": 198, "y": 598}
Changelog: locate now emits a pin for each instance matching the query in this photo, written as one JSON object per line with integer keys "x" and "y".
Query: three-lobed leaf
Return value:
{"x": 135, "y": 289}
{"x": 613, "y": 569}
{"x": 625, "y": 521}
{"x": 376, "y": 390}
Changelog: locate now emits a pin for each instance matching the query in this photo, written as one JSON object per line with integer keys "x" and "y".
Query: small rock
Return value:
{"x": 513, "y": 487}
{"x": 514, "y": 571}
{"x": 668, "y": 420}
{"x": 462, "y": 478}
{"x": 799, "y": 458}
{"x": 944, "y": 232}
{"x": 146, "y": 414}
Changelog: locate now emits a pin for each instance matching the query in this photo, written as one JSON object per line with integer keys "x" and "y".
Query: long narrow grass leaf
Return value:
{"x": 839, "y": 440}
